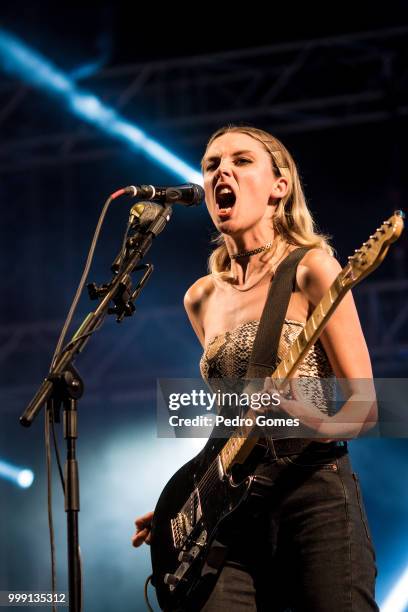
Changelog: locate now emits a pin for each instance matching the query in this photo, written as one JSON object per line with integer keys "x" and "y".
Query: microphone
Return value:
{"x": 189, "y": 194}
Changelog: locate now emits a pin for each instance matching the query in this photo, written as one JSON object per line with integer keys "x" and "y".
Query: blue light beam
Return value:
{"x": 19, "y": 60}
{"x": 21, "y": 477}
{"x": 397, "y": 600}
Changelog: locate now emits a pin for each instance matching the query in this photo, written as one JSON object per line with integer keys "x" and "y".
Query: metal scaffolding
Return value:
{"x": 290, "y": 87}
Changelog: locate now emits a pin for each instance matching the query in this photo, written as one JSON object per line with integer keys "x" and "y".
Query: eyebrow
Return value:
{"x": 235, "y": 154}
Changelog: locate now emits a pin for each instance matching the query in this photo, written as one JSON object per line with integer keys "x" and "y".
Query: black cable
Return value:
{"x": 72, "y": 343}
{"x": 48, "y": 416}
{"x": 146, "y": 595}
{"x": 57, "y": 456}
{"x": 61, "y": 474}
{"x": 82, "y": 281}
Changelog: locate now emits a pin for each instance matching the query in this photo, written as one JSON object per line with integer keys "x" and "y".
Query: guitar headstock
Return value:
{"x": 372, "y": 252}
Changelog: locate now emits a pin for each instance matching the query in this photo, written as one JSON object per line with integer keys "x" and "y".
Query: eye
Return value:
{"x": 210, "y": 166}
{"x": 242, "y": 160}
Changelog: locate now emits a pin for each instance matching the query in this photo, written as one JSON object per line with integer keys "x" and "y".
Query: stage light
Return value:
{"x": 20, "y": 476}
{"x": 397, "y": 600}
{"x": 25, "y": 479}
{"x": 18, "y": 59}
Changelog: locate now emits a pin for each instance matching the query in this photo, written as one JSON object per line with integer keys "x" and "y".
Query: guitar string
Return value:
{"x": 209, "y": 478}
{"x": 209, "y": 472}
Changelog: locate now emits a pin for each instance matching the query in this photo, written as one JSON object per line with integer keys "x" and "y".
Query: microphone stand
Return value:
{"x": 64, "y": 386}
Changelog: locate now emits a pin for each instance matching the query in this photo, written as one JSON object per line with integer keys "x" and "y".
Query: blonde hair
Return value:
{"x": 292, "y": 221}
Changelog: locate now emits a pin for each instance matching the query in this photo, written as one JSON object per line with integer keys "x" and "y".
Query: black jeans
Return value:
{"x": 306, "y": 547}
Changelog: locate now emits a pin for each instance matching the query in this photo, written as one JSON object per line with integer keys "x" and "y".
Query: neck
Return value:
{"x": 245, "y": 268}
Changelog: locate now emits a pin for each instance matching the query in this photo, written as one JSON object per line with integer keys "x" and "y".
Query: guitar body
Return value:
{"x": 192, "y": 512}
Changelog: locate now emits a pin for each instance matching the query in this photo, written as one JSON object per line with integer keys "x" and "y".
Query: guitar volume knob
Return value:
{"x": 185, "y": 557}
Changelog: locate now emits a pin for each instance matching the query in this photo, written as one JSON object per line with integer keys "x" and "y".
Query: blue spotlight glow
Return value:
{"x": 397, "y": 600}
{"x": 20, "y": 476}
{"x": 25, "y": 479}
{"x": 87, "y": 70}
{"x": 18, "y": 59}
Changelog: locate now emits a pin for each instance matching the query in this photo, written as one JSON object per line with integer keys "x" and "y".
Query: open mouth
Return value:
{"x": 225, "y": 199}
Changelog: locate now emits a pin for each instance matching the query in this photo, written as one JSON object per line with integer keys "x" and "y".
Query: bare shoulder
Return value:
{"x": 198, "y": 293}
{"x": 195, "y": 301}
{"x": 316, "y": 272}
{"x": 320, "y": 261}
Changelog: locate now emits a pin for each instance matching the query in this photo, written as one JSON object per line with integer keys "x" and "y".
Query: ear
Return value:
{"x": 279, "y": 188}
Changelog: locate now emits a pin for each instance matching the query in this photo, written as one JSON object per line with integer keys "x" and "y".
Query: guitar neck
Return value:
{"x": 242, "y": 441}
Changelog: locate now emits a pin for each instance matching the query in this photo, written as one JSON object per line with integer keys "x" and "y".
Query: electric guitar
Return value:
{"x": 195, "y": 504}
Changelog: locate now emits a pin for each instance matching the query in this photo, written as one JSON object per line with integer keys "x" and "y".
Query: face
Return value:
{"x": 241, "y": 188}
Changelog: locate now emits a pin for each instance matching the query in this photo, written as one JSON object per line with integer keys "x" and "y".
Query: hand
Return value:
{"x": 270, "y": 388}
{"x": 143, "y": 530}
{"x": 294, "y": 404}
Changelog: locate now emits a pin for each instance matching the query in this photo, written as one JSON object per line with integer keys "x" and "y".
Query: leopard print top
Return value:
{"x": 227, "y": 355}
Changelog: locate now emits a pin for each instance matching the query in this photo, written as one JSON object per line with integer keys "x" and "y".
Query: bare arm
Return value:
{"x": 345, "y": 346}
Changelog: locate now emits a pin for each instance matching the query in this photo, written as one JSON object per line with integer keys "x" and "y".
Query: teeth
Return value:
{"x": 225, "y": 190}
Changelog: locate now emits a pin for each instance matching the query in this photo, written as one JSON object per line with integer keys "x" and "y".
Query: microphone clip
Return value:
{"x": 124, "y": 297}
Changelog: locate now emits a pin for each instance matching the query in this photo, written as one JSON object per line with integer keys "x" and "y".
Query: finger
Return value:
{"x": 144, "y": 521}
{"x": 146, "y": 517}
{"x": 270, "y": 384}
{"x": 139, "y": 537}
{"x": 148, "y": 538}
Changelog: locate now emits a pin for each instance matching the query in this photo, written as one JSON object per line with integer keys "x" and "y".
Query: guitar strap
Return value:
{"x": 264, "y": 354}
{"x": 263, "y": 360}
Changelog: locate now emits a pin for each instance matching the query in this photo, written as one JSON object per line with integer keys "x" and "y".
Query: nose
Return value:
{"x": 224, "y": 169}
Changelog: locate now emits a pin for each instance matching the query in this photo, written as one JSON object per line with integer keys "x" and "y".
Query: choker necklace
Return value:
{"x": 253, "y": 252}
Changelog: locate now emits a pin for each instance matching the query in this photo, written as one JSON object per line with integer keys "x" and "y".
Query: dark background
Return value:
{"x": 352, "y": 158}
